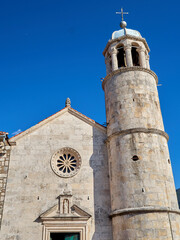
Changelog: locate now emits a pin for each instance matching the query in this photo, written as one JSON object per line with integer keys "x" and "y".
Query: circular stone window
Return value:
{"x": 66, "y": 162}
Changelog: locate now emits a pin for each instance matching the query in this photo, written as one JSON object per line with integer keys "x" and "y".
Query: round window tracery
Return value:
{"x": 66, "y": 162}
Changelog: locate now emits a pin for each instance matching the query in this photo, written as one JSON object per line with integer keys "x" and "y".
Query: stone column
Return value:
{"x": 147, "y": 62}
{"x": 128, "y": 56}
{"x": 114, "y": 59}
{"x": 142, "y": 57}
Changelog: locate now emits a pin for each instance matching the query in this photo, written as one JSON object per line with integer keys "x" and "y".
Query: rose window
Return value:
{"x": 66, "y": 162}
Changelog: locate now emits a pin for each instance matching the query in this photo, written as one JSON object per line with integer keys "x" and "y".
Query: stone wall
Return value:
{"x": 147, "y": 226}
{"x": 132, "y": 101}
{"x": 141, "y": 179}
{"x": 4, "y": 164}
{"x": 33, "y": 187}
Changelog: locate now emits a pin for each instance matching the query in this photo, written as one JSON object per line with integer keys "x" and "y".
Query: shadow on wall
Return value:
{"x": 102, "y": 206}
{"x": 178, "y": 196}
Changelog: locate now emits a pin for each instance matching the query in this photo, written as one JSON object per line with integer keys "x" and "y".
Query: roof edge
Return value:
{"x": 86, "y": 119}
{"x": 55, "y": 115}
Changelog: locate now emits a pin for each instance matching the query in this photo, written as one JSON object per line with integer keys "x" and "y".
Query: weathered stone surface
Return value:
{"x": 4, "y": 164}
{"x": 33, "y": 187}
{"x": 132, "y": 102}
{"x": 143, "y": 197}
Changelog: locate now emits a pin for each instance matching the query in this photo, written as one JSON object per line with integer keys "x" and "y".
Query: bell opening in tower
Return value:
{"x": 64, "y": 236}
{"x": 121, "y": 57}
{"x": 135, "y": 56}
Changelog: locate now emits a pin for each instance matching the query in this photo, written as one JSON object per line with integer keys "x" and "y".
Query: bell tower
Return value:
{"x": 143, "y": 198}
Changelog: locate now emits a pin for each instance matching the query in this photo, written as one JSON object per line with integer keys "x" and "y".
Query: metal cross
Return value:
{"x": 122, "y": 13}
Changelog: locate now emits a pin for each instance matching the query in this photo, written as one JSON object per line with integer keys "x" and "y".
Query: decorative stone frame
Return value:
{"x": 70, "y": 164}
{"x": 55, "y": 221}
{"x": 64, "y": 227}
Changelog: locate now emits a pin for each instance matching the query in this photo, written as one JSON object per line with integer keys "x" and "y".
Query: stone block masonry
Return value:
{"x": 143, "y": 198}
{"x": 4, "y": 165}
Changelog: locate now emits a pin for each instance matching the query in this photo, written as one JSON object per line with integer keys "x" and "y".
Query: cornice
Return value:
{"x": 128, "y": 69}
{"x": 139, "y": 130}
{"x": 148, "y": 209}
{"x": 126, "y": 37}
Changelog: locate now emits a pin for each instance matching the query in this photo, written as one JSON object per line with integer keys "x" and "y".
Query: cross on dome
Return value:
{"x": 123, "y": 24}
{"x": 122, "y": 13}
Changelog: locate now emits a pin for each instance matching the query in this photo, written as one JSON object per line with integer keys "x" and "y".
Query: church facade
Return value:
{"x": 70, "y": 178}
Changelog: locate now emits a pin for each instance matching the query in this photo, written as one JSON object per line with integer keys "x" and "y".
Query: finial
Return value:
{"x": 123, "y": 24}
{"x": 68, "y": 102}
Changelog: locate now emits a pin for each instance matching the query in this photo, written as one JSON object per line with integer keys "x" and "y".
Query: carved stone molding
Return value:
{"x": 126, "y": 37}
{"x": 74, "y": 221}
{"x": 139, "y": 130}
{"x": 66, "y": 162}
{"x": 65, "y": 203}
{"x": 143, "y": 210}
{"x": 127, "y": 47}
{"x": 113, "y": 51}
{"x": 68, "y": 102}
{"x": 140, "y": 49}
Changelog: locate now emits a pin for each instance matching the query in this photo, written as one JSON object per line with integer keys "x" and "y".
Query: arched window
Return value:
{"x": 135, "y": 55}
{"x": 121, "y": 56}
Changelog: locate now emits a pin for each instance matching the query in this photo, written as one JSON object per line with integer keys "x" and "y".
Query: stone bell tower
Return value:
{"x": 143, "y": 198}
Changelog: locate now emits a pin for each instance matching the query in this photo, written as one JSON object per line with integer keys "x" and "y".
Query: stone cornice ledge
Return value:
{"x": 127, "y": 69}
{"x": 139, "y": 130}
{"x": 125, "y": 37}
{"x": 149, "y": 209}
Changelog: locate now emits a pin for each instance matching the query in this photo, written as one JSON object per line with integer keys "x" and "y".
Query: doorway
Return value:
{"x": 64, "y": 236}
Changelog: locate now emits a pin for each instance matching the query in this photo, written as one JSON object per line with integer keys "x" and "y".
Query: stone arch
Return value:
{"x": 135, "y": 44}
{"x": 135, "y": 54}
{"x": 121, "y": 55}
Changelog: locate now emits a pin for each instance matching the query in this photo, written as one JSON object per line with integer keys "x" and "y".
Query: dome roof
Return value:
{"x": 125, "y": 31}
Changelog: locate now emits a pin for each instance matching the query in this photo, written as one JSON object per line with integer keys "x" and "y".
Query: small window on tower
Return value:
{"x": 121, "y": 57}
{"x": 135, "y": 56}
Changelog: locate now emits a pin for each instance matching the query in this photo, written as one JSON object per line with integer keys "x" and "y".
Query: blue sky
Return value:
{"x": 52, "y": 49}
